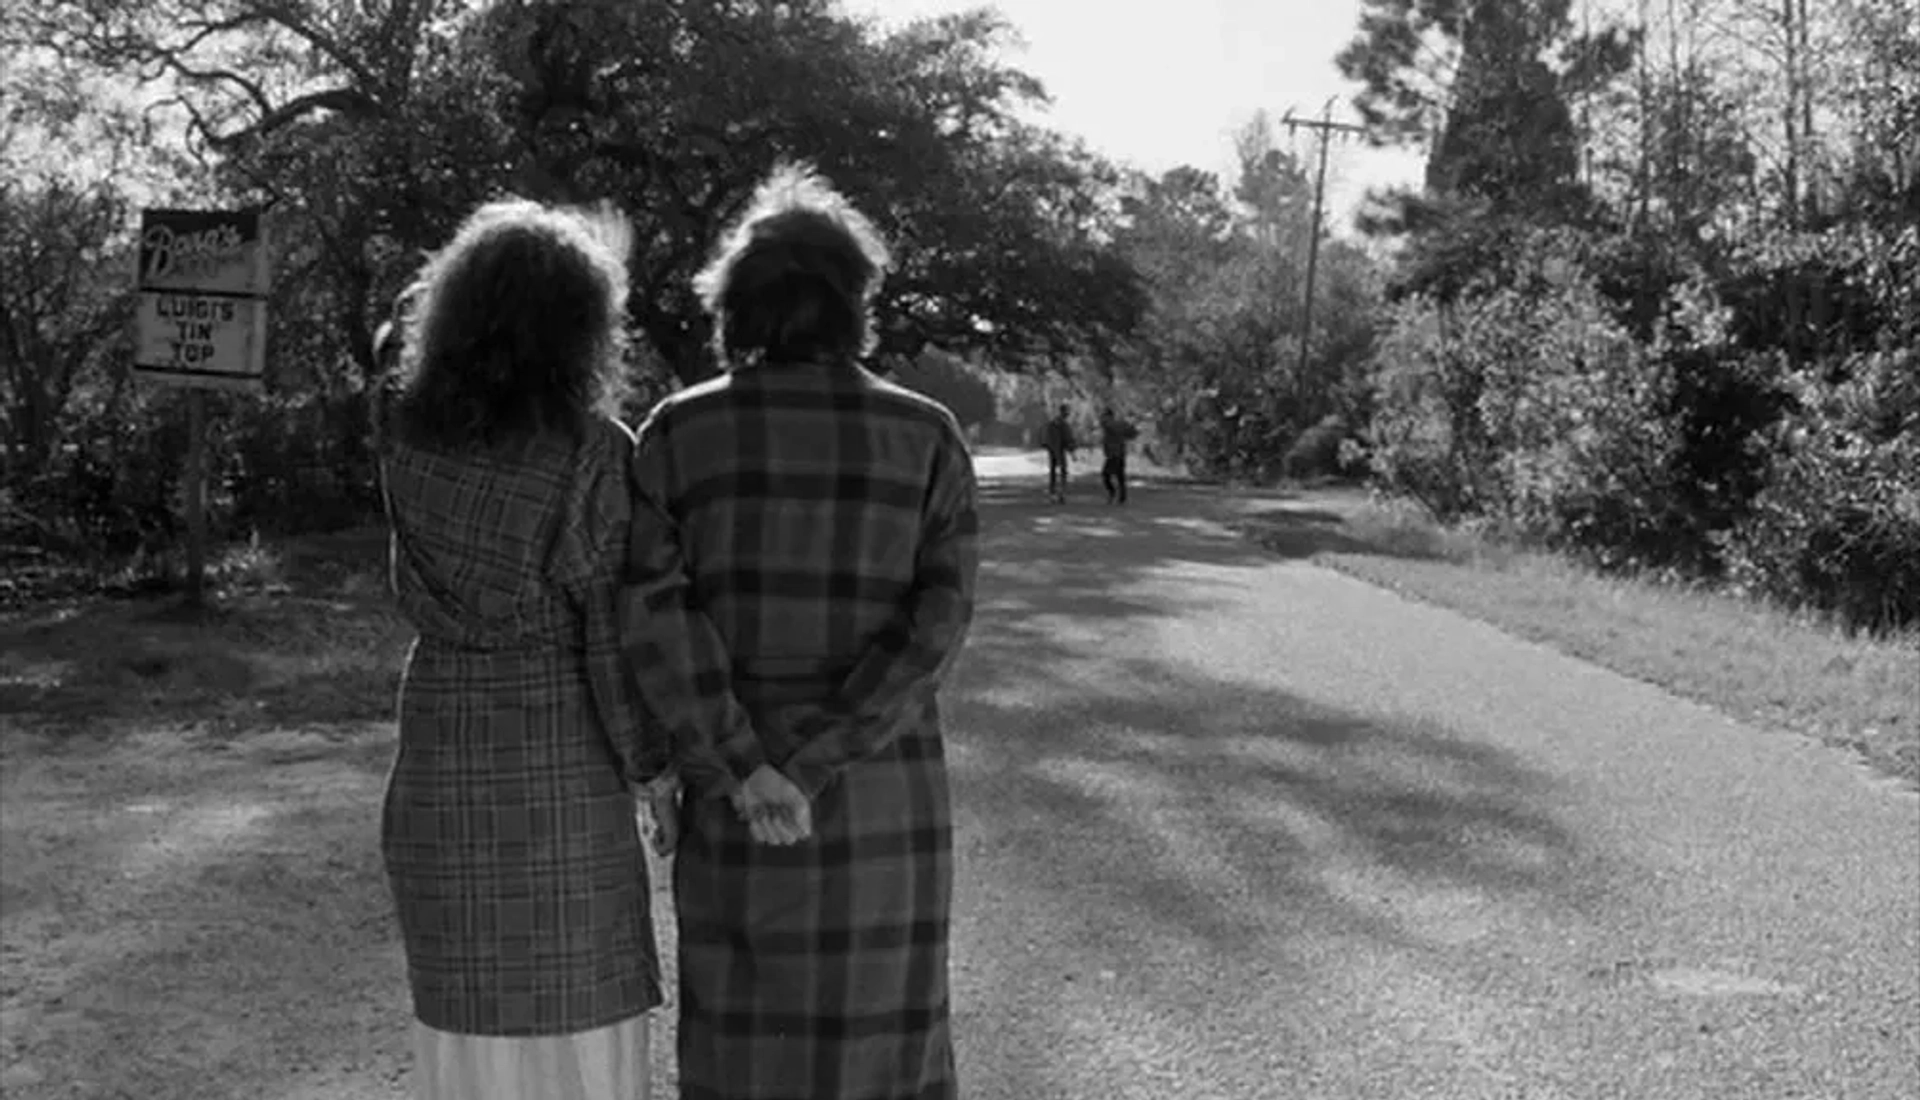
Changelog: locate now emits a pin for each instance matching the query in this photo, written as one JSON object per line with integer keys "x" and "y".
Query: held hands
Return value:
{"x": 775, "y": 810}
{"x": 660, "y": 800}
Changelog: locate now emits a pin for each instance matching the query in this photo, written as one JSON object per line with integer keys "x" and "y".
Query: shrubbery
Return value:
{"x": 1317, "y": 452}
{"x": 296, "y": 465}
{"x": 110, "y": 486}
{"x": 1529, "y": 404}
{"x": 286, "y": 465}
{"x": 1837, "y": 526}
{"x": 1526, "y": 402}
{"x": 949, "y": 380}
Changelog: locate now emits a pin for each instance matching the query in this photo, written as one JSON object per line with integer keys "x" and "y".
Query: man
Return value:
{"x": 805, "y": 544}
{"x": 1059, "y": 442}
{"x": 1114, "y": 436}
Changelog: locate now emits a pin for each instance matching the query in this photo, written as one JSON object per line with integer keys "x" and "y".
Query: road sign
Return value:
{"x": 202, "y": 340}
{"x": 203, "y": 280}
{"x": 202, "y": 324}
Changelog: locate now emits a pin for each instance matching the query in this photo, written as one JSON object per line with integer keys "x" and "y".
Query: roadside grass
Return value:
{"x": 1754, "y": 662}
{"x": 299, "y": 633}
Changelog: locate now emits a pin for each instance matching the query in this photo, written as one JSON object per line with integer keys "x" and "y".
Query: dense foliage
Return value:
{"x": 1654, "y": 304}
{"x": 366, "y": 130}
{"x": 1217, "y": 359}
{"x": 1697, "y": 354}
{"x": 953, "y": 382}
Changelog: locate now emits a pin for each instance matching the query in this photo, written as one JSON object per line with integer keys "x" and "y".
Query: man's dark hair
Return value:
{"x": 793, "y": 278}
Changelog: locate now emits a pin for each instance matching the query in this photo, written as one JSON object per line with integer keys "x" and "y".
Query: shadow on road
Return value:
{"x": 1175, "y": 813}
{"x": 1271, "y": 522}
{"x": 222, "y": 874}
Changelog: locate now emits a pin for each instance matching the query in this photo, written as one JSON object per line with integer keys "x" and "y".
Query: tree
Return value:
{"x": 948, "y": 379}
{"x": 353, "y": 124}
{"x": 1698, "y": 166}
{"x": 1881, "y": 91}
{"x": 1273, "y": 189}
{"x": 371, "y": 128}
{"x": 63, "y": 303}
{"x": 1469, "y": 77}
{"x": 1219, "y": 347}
{"x": 680, "y": 108}
{"x": 73, "y": 167}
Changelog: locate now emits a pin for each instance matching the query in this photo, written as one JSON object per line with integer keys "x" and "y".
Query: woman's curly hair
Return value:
{"x": 794, "y": 276}
{"x": 516, "y": 327}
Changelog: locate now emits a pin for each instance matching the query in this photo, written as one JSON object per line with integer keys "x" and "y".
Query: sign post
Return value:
{"x": 196, "y": 493}
{"x": 201, "y": 324}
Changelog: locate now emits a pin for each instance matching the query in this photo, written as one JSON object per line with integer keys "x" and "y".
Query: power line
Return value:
{"x": 1326, "y": 128}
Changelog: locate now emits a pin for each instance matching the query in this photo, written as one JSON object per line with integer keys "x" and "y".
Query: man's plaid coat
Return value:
{"x": 508, "y": 829}
{"x": 806, "y": 539}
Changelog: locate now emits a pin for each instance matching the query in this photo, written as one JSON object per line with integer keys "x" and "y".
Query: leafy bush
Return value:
{"x": 109, "y": 488}
{"x": 286, "y": 465}
{"x": 949, "y": 380}
{"x": 1317, "y": 452}
{"x": 1723, "y": 403}
{"x": 1837, "y": 527}
{"x": 1233, "y": 435}
{"x": 1423, "y": 397}
{"x": 296, "y": 465}
{"x": 1530, "y": 405}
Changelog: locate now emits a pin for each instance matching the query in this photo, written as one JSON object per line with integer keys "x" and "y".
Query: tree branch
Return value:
{"x": 172, "y": 63}
{"x": 207, "y": 30}
{"x": 289, "y": 18}
{"x": 345, "y": 100}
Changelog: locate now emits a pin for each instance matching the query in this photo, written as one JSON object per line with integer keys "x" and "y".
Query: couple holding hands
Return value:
{"x": 738, "y": 614}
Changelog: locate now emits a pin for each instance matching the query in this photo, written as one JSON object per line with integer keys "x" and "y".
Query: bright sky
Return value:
{"x": 1157, "y": 84}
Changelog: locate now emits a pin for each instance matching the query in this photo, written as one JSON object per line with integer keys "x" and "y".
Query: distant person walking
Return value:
{"x": 1059, "y": 442}
{"x": 1115, "y": 434}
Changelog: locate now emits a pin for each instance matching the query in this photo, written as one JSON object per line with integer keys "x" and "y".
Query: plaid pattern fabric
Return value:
{"x": 508, "y": 829}
{"x": 806, "y": 539}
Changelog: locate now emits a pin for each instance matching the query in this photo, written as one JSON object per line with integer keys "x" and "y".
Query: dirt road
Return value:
{"x": 1231, "y": 826}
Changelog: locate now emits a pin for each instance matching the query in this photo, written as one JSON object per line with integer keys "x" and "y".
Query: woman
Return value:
{"x": 509, "y": 830}
{"x": 806, "y": 536}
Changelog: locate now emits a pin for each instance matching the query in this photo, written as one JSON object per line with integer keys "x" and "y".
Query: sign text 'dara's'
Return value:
{"x": 215, "y": 251}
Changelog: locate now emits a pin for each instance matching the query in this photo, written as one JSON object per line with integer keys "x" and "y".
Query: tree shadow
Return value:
{"x": 1156, "y": 808}
{"x": 1273, "y": 776}
{"x": 1262, "y": 523}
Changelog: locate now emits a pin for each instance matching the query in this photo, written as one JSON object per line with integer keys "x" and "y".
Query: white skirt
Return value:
{"x": 608, "y": 1063}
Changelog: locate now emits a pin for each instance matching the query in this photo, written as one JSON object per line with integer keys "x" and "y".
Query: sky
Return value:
{"x": 1160, "y": 83}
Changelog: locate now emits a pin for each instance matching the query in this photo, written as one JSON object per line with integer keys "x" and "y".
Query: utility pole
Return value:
{"x": 1326, "y": 127}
